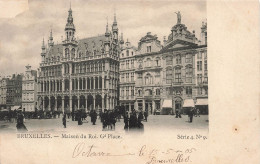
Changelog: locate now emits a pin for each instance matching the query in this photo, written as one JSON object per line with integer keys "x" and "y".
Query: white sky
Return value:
{"x": 21, "y": 36}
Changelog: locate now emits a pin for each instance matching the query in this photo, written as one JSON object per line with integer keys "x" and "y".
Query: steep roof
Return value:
{"x": 87, "y": 44}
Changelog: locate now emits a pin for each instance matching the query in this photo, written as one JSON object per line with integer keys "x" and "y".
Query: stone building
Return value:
{"x": 14, "y": 91}
{"x": 29, "y": 90}
{"x": 3, "y": 91}
{"x": 170, "y": 76}
{"x": 127, "y": 74}
{"x": 80, "y": 74}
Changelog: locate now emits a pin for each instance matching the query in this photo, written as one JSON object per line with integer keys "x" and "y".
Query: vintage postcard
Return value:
{"x": 144, "y": 82}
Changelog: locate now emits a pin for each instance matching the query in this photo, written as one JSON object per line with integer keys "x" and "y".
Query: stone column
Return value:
{"x": 94, "y": 83}
{"x": 63, "y": 105}
{"x": 94, "y": 102}
{"x": 70, "y": 109}
{"x": 102, "y": 104}
{"x": 144, "y": 105}
{"x": 86, "y": 83}
{"x": 63, "y": 85}
{"x": 43, "y": 105}
{"x": 153, "y": 106}
{"x": 78, "y": 84}
{"x": 79, "y": 103}
{"x": 49, "y": 106}
{"x": 86, "y": 103}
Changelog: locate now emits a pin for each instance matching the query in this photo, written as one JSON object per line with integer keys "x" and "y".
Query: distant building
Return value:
{"x": 3, "y": 92}
{"x": 14, "y": 91}
{"x": 29, "y": 90}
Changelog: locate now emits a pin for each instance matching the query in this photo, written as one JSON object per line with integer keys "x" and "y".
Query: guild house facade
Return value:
{"x": 29, "y": 90}
{"x": 168, "y": 76}
{"x": 80, "y": 74}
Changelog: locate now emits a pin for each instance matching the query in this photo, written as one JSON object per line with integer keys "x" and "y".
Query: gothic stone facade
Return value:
{"x": 80, "y": 74}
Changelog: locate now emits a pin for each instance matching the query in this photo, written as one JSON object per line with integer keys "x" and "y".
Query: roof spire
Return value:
{"x": 43, "y": 45}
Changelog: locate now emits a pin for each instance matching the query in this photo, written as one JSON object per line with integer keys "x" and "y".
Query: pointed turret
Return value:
{"x": 107, "y": 41}
{"x": 43, "y": 51}
{"x": 204, "y": 33}
{"x": 51, "y": 43}
{"x": 115, "y": 29}
{"x": 70, "y": 28}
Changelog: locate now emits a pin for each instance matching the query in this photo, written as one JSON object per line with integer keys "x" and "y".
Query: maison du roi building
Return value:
{"x": 165, "y": 77}
{"x": 80, "y": 74}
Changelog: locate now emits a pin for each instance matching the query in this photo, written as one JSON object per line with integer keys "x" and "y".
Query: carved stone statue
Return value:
{"x": 178, "y": 17}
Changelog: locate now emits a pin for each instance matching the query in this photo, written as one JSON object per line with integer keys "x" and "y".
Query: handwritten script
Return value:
{"x": 151, "y": 155}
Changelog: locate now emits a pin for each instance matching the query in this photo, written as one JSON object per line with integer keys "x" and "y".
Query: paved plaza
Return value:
{"x": 155, "y": 122}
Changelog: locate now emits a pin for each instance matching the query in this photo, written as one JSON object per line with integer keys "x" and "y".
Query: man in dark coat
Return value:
{"x": 126, "y": 121}
{"x": 64, "y": 120}
{"x": 191, "y": 113}
{"x": 93, "y": 116}
{"x": 20, "y": 125}
{"x": 145, "y": 115}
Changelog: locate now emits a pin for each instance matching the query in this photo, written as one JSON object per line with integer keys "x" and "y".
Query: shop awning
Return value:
{"x": 15, "y": 107}
{"x": 167, "y": 104}
{"x": 188, "y": 103}
{"x": 202, "y": 102}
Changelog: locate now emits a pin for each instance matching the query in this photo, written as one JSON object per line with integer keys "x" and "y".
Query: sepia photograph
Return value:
{"x": 105, "y": 68}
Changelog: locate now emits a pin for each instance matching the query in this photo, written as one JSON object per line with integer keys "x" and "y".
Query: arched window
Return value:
{"x": 139, "y": 92}
{"x": 66, "y": 53}
{"x": 178, "y": 59}
{"x": 148, "y": 79}
{"x": 73, "y": 53}
{"x": 178, "y": 75}
{"x": 169, "y": 75}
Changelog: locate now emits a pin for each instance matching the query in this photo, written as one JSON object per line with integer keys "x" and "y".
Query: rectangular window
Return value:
{"x": 168, "y": 76}
{"x": 199, "y": 65}
{"x": 127, "y": 91}
{"x": 132, "y": 91}
{"x": 188, "y": 75}
{"x": 122, "y": 65}
{"x": 122, "y": 77}
{"x": 177, "y": 75}
{"x": 206, "y": 77}
{"x": 122, "y": 92}
{"x": 127, "y": 64}
{"x": 132, "y": 63}
{"x": 205, "y": 65}
{"x": 149, "y": 48}
{"x": 132, "y": 77}
{"x": 188, "y": 91}
{"x": 127, "y": 77}
{"x": 199, "y": 78}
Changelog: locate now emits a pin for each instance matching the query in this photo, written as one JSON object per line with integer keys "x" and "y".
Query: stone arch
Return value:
{"x": 82, "y": 102}
{"x": 98, "y": 102}
{"x": 90, "y": 102}
{"x": 52, "y": 105}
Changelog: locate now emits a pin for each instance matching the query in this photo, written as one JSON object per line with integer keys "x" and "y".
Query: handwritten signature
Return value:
{"x": 170, "y": 155}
